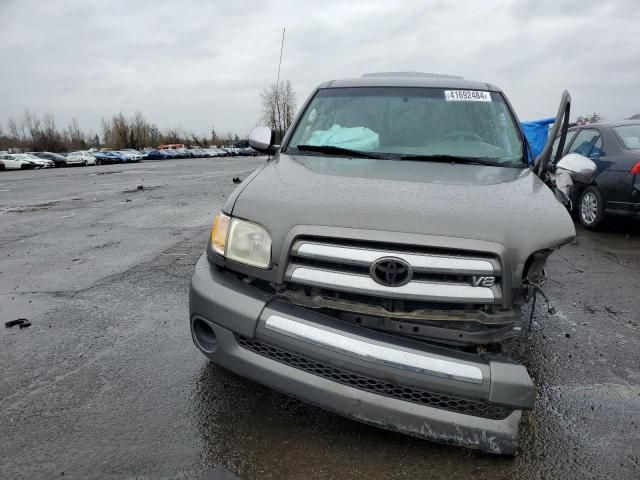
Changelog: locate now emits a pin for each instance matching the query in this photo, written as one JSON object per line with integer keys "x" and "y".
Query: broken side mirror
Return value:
{"x": 571, "y": 169}
{"x": 580, "y": 168}
{"x": 262, "y": 139}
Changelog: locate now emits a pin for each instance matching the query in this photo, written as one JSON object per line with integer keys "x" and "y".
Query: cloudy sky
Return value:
{"x": 196, "y": 64}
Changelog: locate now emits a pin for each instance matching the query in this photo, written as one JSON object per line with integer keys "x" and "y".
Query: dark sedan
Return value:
{"x": 103, "y": 157}
{"x": 158, "y": 155}
{"x": 615, "y": 149}
{"x": 58, "y": 159}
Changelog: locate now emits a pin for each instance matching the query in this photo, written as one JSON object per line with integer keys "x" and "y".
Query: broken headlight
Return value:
{"x": 241, "y": 241}
{"x": 534, "y": 270}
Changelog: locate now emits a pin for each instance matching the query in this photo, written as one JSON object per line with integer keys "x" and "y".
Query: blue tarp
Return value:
{"x": 537, "y": 132}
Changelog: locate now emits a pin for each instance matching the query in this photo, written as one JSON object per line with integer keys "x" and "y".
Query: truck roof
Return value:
{"x": 409, "y": 79}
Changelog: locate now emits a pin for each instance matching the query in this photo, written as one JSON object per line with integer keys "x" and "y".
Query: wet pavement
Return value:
{"x": 106, "y": 383}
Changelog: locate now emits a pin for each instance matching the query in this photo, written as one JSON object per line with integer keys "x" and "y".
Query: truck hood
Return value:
{"x": 507, "y": 206}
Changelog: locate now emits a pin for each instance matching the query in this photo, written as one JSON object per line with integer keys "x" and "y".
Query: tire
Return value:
{"x": 98, "y": 161}
{"x": 85, "y": 164}
{"x": 591, "y": 208}
{"x": 64, "y": 165}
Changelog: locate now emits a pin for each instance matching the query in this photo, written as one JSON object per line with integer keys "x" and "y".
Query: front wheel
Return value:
{"x": 85, "y": 164}
{"x": 591, "y": 209}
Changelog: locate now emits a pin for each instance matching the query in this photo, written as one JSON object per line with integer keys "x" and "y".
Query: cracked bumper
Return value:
{"x": 225, "y": 308}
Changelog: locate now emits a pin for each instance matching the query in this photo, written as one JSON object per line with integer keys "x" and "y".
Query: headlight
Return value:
{"x": 241, "y": 241}
{"x": 219, "y": 233}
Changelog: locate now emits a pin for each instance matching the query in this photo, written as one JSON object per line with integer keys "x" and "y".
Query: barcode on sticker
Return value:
{"x": 467, "y": 96}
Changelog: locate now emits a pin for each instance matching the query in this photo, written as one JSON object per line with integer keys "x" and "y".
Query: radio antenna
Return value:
{"x": 279, "y": 122}
{"x": 280, "y": 62}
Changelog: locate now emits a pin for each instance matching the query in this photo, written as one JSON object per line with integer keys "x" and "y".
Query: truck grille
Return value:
{"x": 438, "y": 276}
{"x": 373, "y": 385}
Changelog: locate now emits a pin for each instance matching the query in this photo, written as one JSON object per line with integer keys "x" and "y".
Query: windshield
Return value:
{"x": 630, "y": 136}
{"x": 402, "y": 122}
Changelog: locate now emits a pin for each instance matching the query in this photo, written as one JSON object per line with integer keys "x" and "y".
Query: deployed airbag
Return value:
{"x": 355, "y": 138}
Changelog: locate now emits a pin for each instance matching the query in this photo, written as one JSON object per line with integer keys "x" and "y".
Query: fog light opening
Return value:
{"x": 204, "y": 336}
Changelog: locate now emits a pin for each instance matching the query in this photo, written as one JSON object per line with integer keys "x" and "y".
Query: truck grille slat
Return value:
{"x": 373, "y": 385}
{"x": 421, "y": 262}
{"x": 414, "y": 290}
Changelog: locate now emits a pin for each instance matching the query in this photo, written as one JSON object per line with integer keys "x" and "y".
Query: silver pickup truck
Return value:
{"x": 375, "y": 263}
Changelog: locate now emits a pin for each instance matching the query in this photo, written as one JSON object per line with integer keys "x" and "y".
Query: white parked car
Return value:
{"x": 131, "y": 155}
{"x": 37, "y": 162}
{"x": 10, "y": 162}
{"x": 80, "y": 158}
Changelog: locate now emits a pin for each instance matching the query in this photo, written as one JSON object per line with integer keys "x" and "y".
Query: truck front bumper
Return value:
{"x": 395, "y": 383}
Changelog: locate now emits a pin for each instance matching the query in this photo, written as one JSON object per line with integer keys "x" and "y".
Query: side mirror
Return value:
{"x": 580, "y": 168}
{"x": 262, "y": 139}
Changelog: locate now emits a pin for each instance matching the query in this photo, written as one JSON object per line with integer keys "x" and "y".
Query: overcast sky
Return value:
{"x": 196, "y": 64}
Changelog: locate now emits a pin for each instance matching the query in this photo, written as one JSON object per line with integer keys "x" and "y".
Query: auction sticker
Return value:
{"x": 467, "y": 96}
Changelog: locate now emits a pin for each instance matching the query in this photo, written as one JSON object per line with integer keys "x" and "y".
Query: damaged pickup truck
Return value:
{"x": 375, "y": 263}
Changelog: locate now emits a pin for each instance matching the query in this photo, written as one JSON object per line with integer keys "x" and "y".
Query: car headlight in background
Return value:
{"x": 241, "y": 241}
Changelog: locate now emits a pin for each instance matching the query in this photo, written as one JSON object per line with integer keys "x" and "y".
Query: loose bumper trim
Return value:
{"x": 374, "y": 353}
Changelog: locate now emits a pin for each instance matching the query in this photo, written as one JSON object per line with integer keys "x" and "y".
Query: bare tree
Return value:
{"x": 173, "y": 135}
{"x": 107, "y": 131}
{"x": 5, "y": 141}
{"x": 14, "y": 133}
{"x": 138, "y": 131}
{"x": 31, "y": 131}
{"x": 75, "y": 138}
{"x": 50, "y": 138}
{"x": 278, "y": 107}
{"x": 154, "y": 136}
{"x": 118, "y": 131}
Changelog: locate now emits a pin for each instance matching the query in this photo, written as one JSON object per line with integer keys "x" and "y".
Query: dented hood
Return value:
{"x": 508, "y": 206}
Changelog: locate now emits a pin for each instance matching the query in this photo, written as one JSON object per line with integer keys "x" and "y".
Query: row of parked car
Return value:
{"x": 24, "y": 161}
{"x": 161, "y": 154}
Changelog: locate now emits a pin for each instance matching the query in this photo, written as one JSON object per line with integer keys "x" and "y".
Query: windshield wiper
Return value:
{"x": 453, "y": 159}
{"x": 333, "y": 150}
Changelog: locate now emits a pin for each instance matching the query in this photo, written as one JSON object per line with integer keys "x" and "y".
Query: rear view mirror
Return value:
{"x": 580, "y": 168}
{"x": 261, "y": 139}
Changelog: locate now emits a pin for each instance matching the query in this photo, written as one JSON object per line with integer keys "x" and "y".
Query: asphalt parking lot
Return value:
{"x": 106, "y": 383}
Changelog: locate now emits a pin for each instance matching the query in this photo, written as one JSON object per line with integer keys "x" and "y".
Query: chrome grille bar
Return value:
{"x": 414, "y": 290}
{"x": 423, "y": 263}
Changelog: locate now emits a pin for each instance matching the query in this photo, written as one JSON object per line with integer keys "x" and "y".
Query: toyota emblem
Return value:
{"x": 391, "y": 272}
